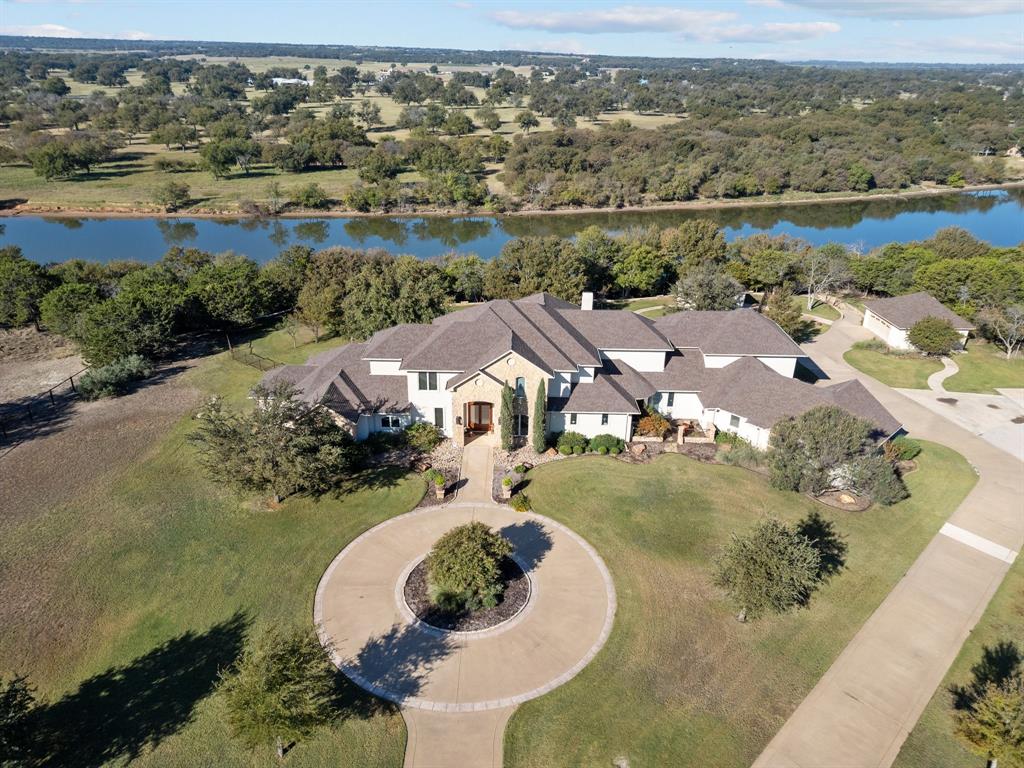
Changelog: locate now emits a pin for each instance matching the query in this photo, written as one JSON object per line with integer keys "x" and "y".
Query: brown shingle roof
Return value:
{"x": 904, "y": 311}
{"x": 727, "y": 332}
{"x": 615, "y": 329}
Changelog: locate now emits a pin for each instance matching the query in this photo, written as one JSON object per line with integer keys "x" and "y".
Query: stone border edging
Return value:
{"x": 436, "y": 706}
{"x": 470, "y": 634}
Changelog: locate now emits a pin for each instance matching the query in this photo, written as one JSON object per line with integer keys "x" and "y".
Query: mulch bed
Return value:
{"x": 831, "y": 499}
{"x": 515, "y": 596}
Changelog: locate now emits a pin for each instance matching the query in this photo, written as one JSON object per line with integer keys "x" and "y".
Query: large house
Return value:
{"x": 891, "y": 319}
{"x": 597, "y": 370}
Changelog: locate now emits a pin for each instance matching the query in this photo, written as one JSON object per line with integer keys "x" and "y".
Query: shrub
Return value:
{"x": 727, "y": 438}
{"x": 311, "y": 195}
{"x": 873, "y": 345}
{"x": 607, "y": 442}
{"x": 434, "y": 477}
{"x": 652, "y": 425}
{"x": 171, "y": 195}
{"x": 464, "y": 566}
{"x": 603, "y": 450}
{"x": 876, "y": 478}
{"x": 568, "y": 442}
{"x": 934, "y": 336}
{"x": 113, "y": 379}
{"x": 520, "y": 502}
{"x": 614, "y": 451}
{"x": 423, "y": 436}
{"x": 902, "y": 448}
{"x": 506, "y": 482}
{"x": 520, "y": 469}
{"x": 743, "y": 454}
{"x": 378, "y": 442}
{"x": 578, "y": 450}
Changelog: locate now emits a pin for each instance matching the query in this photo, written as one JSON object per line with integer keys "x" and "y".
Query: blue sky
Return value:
{"x": 868, "y": 30}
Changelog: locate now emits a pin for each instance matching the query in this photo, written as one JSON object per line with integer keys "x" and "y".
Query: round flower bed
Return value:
{"x": 513, "y": 599}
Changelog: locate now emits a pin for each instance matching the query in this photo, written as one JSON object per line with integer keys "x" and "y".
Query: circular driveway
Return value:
{"x": 374, "y": 639}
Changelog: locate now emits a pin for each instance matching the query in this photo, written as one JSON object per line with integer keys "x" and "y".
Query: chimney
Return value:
{"x": 587, "y": 301}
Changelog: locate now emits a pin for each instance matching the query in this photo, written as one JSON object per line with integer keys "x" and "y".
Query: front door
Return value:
{"x": 479, "y": 417}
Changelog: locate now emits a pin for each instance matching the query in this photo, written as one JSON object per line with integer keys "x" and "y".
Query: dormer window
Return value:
{"x": 428, "y": 380}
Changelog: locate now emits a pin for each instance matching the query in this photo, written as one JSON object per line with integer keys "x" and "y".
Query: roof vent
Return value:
{"x": 587, "y": 301}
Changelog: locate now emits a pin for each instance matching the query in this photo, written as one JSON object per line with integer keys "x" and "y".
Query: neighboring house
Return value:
{"x": 598, "y": 369}
{"x": 891, "y": 319}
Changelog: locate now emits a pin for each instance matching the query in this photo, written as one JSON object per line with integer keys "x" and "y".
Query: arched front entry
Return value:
{"x": 479, "y": 417}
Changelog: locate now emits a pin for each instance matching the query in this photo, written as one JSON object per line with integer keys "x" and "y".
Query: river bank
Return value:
{"x": 712, "y": 204}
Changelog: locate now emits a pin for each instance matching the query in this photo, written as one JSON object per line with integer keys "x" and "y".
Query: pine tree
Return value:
{"x": 281, "y": 690}
{"x": 506, "y": 417}
{"x": 540, "y": 418}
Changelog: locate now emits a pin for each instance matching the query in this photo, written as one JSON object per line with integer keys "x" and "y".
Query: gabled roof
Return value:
{"x": 904, "y": 311}
{"x": 751, "y": 389}
{"x": 615, "y": 329}
{"x": 727, "y": 332}
{"x": 396, "y": 342}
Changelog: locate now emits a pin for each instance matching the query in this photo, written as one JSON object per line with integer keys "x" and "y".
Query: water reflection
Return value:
{"x": 993, "y": 216}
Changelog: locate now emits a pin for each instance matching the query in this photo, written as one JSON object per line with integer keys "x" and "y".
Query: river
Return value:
{"x": 995, "y": 216}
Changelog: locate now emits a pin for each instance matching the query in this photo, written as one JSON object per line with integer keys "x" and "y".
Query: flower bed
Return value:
{"x": 513, "y": 599}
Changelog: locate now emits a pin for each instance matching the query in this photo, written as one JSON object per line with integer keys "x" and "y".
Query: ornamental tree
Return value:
{"x": 540, "y": 418}
{"x": 280, "y": 690}
{"x": 992, "y": 727}
{"x": 806, "y": 451}
{"x": 934, "y": 336}
{"x": 464, "y": 567}
{"x": 506, "y": 417}
{"x": 771, "y": 569}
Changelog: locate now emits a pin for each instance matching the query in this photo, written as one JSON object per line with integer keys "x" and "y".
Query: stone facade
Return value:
{"x": 486, "y": 387}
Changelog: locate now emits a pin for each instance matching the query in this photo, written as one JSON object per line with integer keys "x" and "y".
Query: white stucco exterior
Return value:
{"x": 424, "y": 401}
{"x": 589, "y": 424}
{"x": 685, "y": 405}
{"x": 780, "y": 364}
{"x": 647, "y": 360}
{"x": 724, "y": 421}
{"x": 386, "y": 368}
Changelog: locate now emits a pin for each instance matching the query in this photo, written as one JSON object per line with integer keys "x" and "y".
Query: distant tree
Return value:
{"x": 642, "y": 268}
{"x": 379, "y": 165}
{"x": 466, "y": 275}
{"x": 934, "y": 336}
{"x": 23, "y": 284}
{"x": 171, "y": 195}
{"x": 1004, "y": 325}
{"x": 957, "y": 243}
{"x": 464, "y": 567}
{"x": 281, "y": 447}
{"x": 540, "y": 418}
{"x": 694, "y": 243}
{"x": 488, "y": 117}
{"x": 17, "y": 729}
{"x": 61, "y": 309}
{"x": 310, "y": 195}
{"x": 807, "y": 451}
{"x": 527, "y": 120}
{"x": 992, "y": 726}
{"x": 53, "y": 160}
{"x": 769, "y": 268}
{"x": 282, "y": 689}
{"x": 530, "y": 264}
{"x": 55, "y": 86}
{"x": 860, "y": 179}
{"x": 507, "y": 396}
{"x": 222, "y": 154}
{"x": 779, "y": 306}
{"x": 231, "y": 290}
{"x": 564, "y": 120}
{"x": 707, "y": 287}
{"x": 458, "y": 123}
{"x": 316, "y": 306}
{"x": 403, "y": 290}
{"x": 369, "y": 113}
{"x": 824, "y": 269}
{"x": 771, "y": 569}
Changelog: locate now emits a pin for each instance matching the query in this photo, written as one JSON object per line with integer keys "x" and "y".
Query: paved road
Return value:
{"x": 862, "y": 709}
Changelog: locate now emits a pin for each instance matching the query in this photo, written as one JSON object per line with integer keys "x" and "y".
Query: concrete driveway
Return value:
{"x": 862, "y": 709}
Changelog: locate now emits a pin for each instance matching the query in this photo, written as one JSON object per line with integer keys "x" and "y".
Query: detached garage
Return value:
{"x": 891, "y": 319}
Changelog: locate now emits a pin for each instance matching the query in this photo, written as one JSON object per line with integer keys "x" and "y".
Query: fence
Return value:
{"x": 20, "y": 418}
{"x": 250, "y": 358}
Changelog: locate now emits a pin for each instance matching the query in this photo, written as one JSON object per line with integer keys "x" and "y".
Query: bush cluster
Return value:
{"x": 114, "y": 378}
{"x": 606, "y": 443}
{"x": 902, "y": 448}
{"x": 520, "y": 502}
{"x": 423, "y": 436}
{"x": 464, "y": 567}
{"x": 653, "y": 424}
{"x": 571, "y": 443}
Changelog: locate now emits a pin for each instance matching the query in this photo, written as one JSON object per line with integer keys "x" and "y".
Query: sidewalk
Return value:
{"x": 862, "y": 709}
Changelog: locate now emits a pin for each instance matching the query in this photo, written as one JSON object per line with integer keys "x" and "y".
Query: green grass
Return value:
{"x": 932, "y": 742}
{"x": 157, "y": 554}
{"x": 680, "y": 682}
{"x": 905, "y": 371}
{"x": 983, "y": 367}
{"x": 823, "y": 311}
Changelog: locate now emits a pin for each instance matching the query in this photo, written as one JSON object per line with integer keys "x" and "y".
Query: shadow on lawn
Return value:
{"x": 998, "y": 664}
{"x": 830, "y": 545}
{"x": 400, "y": 660}
{"x": 119, "y": 713}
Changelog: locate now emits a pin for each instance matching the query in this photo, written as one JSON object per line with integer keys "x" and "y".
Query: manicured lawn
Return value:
{"x": 824, "y": 311}
{"x": 680, "y": 681}
{"x": 906, "y": 371}
{"x": 1001, "y": 633}
{"x": 983, "y": 367}
{"x": 155, "y": 574}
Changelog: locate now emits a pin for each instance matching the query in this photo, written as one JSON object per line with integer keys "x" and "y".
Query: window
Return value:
{"x": 671, "y": 399}
{"x": 734, "y": 421}
{"x": 428, "y": 381}
{"x": 390, "y": 422}
{"x": 604, "y": 419}
{"x": 520, "y": 386}
{"x": 520, "y": 425}
{"x": 439, "y": 418}
{"x": 572, "y": 418}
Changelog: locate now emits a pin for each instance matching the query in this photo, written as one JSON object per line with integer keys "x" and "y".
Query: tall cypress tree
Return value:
{"x": 506, "y": 417}
{"x": 539, "y": 412}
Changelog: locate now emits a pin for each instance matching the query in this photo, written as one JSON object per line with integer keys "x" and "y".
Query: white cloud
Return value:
{"x": 981, "y": 49}
{"x": 914, "y": 9}
{"x": 59, "y": 30}
{"x": 768, "y": 33}
{"x": 767, "y": 3}
{"x": 624, "y": 18}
